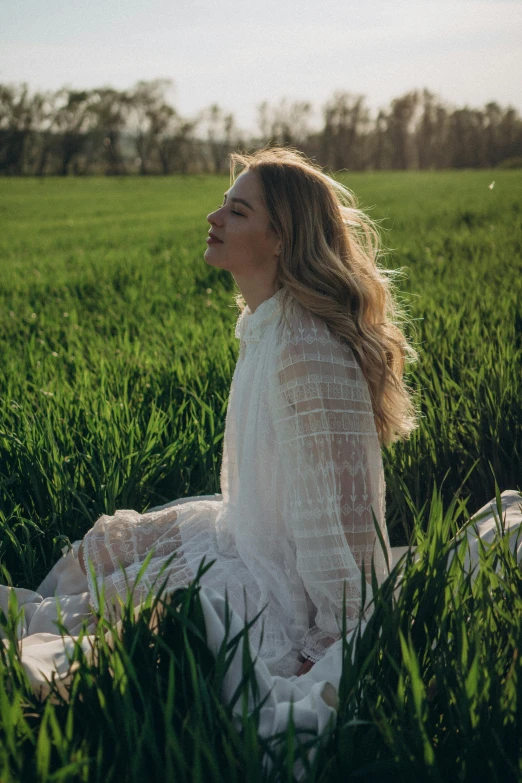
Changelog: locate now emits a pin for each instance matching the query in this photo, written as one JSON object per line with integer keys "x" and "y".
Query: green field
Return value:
{"x": 117, "y": 352}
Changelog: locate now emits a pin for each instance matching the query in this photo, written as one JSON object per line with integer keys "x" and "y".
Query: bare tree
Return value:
{"x": 380, "y": 152}
{"x": 431, "y": 132}
{"x": 45, "y": 128}
{"x": 166, "y": 126}
{"x": 345, "y": 131}
{"x": 221, "y": 135}
{"x": 72, "y": 119}
{"x": 149, "y": 112}
{"x": 493, "y": 115}
{"x": 466, "y": 138}
{"x": 510, "y": 135}
{"x": 286, "y": 123}
{"x": 176, "y": 142}
{"x": 401, "y": 130}
{"x": 16, "y": 127}
{"x": 111, "y": 109}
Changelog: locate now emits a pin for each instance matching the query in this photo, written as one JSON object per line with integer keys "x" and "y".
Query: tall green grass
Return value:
{"x": 117, "y": 350}
{"x": 117, "y": 362}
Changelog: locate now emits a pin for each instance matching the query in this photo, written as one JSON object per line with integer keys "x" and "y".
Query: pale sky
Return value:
{"x": 238, "y": 54}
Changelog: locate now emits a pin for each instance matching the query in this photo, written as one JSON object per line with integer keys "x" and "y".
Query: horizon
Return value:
{"x": 466, "y": 53}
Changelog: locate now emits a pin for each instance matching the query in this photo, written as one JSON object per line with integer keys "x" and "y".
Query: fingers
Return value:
{"x": 305, "y": 667}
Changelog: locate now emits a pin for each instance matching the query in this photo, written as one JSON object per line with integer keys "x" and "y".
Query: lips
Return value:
{"x": 213, "y": 239}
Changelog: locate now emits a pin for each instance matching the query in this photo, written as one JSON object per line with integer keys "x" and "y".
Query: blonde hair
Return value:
{"x": 328, "y": 263}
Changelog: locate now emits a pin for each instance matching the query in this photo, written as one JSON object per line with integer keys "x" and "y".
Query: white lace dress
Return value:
{"x": 301, "y": 474}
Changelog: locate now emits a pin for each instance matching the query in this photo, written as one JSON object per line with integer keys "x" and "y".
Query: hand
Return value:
{"x": 305, "y": 667}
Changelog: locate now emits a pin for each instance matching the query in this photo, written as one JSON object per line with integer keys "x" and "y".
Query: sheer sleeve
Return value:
{"x": 333, "y": 478}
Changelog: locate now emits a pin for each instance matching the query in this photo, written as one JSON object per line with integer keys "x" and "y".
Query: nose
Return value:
{"x": 215, "y": 218}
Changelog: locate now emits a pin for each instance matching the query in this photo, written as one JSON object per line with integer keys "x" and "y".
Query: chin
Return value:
{"x": 209, "y": 256}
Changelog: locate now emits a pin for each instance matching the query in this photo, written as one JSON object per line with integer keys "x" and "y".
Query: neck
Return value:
{"x": 255, "y": 292}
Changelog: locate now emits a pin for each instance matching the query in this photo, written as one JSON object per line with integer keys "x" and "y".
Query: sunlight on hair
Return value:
{"x": 330, "y": 263}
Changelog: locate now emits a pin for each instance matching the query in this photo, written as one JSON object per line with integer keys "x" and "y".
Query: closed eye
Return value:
{"x": 234, "y": 211}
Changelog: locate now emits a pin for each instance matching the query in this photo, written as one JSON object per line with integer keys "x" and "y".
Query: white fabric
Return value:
{"x": 44, "y": 653}
{"x": 301, "y": 473}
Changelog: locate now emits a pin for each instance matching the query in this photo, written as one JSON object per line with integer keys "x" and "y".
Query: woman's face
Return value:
{"x": 241, "y": 238}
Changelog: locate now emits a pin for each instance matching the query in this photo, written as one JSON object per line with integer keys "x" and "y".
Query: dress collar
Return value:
{"x": 250, "y": 326}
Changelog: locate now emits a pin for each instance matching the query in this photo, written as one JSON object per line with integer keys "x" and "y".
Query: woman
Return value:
{"x": 317, "y": 390}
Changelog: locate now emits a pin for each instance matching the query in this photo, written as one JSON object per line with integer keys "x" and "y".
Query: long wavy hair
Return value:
{"x": 329, "y": 264}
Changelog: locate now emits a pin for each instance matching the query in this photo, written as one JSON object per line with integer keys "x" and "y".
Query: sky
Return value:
{"x": 238, "y": 54}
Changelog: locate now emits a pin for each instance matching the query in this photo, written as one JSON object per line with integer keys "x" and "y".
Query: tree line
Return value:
{"x": 137, "y": 131}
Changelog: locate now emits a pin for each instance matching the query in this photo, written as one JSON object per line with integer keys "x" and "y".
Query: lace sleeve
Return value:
{"x": 332, "y": 463}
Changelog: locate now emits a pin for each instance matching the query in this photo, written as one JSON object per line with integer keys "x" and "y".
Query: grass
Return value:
{"x": 117, "y": 351}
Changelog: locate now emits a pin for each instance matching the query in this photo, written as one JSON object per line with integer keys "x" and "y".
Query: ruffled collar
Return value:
{"x": 250, "y": 326}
